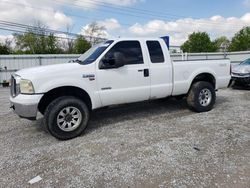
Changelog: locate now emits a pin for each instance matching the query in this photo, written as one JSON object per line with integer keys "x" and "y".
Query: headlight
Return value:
{"x": 26, "y": 87}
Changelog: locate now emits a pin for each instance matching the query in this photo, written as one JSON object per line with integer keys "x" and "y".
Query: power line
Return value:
{"x": 36, "y": 30}
{"x": 66, "y": 13}
{"x": 140, "y": 10}
{"x": 165, "y": 18}
{"x": 88, "y": 18}
{"x": 125, "y": 24}
{"x": 26, "y": 32}
{"x": 118, "y": 10}
{"x": 46, "y": 35}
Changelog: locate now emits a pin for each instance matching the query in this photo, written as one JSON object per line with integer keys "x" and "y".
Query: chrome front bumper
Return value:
{"x": 25, "y": 106}
{"x": 25, "y": 111}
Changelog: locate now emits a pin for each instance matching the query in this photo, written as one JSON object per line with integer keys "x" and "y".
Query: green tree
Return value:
{"x": 32, "y": 43}
{"x": 4, "y": 49}
{"x": 37, "y": 41}
{"x": 198, "y": 42}
{"x": 81, "y": 45}
{"x": 52, "y": 46}
{"x": 241, "y": 40}
{"x": 25, "y": 43}
{"x": 222, "y": 43}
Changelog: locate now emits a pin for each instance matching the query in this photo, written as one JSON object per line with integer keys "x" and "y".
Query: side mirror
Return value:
{"x": 117, "y": 61}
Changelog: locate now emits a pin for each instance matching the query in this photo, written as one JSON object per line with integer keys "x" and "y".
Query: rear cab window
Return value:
{"x": 155, "y": 52}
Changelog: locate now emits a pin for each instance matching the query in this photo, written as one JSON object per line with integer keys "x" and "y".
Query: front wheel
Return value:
{"x": 66, "y": 117}
{"x": 201, "y": 97}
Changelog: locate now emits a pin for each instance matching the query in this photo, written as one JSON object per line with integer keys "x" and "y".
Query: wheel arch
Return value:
{"x": 207, "y": 77}
{"x": 52, "y": 94}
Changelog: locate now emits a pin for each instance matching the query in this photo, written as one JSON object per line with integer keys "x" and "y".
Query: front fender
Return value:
{"x": 89, "y": 88}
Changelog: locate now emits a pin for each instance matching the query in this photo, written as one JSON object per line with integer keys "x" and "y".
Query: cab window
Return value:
{"x": 155, "y": 52}
{"x": 130, "y": 49}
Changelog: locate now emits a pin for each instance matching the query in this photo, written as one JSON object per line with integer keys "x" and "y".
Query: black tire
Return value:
{"x": 193, "y": 97}
{"x": 53, "y": 110}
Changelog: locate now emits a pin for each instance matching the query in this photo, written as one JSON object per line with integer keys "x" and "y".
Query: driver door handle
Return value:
{"x": 145, "y": 72}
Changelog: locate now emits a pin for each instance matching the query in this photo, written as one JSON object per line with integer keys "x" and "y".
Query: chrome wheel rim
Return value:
{"x": 205, "y": 97}
{"x": 69, "y": 119}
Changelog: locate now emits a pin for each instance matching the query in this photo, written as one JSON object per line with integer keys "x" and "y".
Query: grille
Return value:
{"x": 13, "y": 87}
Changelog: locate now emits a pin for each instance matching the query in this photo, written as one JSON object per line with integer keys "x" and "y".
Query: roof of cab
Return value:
{"x": 136, "y": 38}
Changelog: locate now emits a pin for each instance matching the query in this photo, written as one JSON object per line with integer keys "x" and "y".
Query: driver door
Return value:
{"x": 129, "y": 83}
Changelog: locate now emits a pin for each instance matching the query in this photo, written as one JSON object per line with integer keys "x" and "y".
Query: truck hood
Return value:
{"x": 46, "y": 71}
{"x": 241, "y": 69}
{"x": 45, "y": 78}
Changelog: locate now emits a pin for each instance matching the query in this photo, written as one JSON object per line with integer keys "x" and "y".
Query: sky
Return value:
{"x": 132, "y": 18}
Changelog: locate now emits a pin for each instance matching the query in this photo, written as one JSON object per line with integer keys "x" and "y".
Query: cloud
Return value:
{"x": 180, "y": 29}
{"x": 3, "y": 38}
{"x": 110, "y": 25}
{"x": 86, "y": 30}
{"x": 89, "y": 4}
{"x": 9, "y": 39}
{"x": 48, "y": 12}
{"x": 22, "y": 11}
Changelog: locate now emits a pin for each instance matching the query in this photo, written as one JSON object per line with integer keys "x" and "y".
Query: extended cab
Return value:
{"x": 113, "y": 72}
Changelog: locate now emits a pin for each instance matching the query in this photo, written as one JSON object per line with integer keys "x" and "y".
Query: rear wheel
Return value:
{"x": 66, "y": 117}
{"x": 201, "y": 97}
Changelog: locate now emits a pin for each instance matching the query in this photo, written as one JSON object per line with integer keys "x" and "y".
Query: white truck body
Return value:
{"x": 126, "y": 84}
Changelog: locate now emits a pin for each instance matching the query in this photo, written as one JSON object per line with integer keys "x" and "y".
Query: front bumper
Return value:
{"x": 241, "y": 80}
{"x": 25, "y": 106}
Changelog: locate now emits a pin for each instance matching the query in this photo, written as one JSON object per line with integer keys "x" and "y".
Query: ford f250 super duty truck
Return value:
{"x": 114, "y": 72}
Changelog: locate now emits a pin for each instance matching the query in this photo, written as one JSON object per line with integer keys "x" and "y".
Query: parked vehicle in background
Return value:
{"x": 241, "y": 73}
{"x": 114, "y": 72}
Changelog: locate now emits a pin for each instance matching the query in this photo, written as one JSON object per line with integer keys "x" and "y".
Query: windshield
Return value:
{"x": 246, "y": 62}
{"x": 93, "y": 53}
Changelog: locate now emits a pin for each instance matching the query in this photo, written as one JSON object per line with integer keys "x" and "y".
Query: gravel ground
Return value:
{"x": 150, "y": 144}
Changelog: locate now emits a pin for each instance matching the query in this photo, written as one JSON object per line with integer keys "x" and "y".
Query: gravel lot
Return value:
{"x": 150, "y": 144}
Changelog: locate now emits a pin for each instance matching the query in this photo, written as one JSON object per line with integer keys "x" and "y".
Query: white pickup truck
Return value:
{"x": 114, "y": 72}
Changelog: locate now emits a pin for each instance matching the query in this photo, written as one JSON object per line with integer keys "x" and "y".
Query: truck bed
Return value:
{"x": 186, "y": 71}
